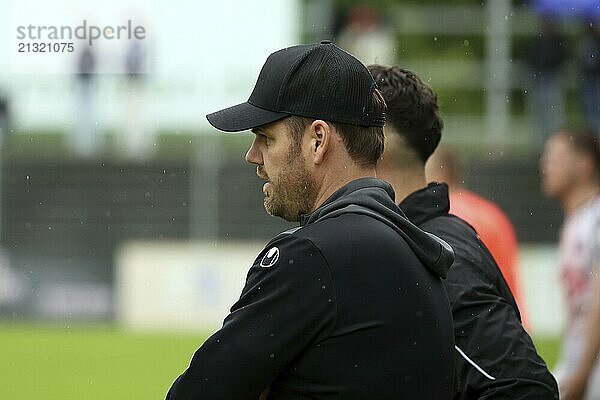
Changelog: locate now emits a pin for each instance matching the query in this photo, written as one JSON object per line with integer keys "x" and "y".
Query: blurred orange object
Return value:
{"x": 496, "y": 232}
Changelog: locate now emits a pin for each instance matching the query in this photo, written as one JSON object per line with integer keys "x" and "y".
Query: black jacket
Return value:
{"x": 328, "y": 312}
{"x": 496, "y": 358}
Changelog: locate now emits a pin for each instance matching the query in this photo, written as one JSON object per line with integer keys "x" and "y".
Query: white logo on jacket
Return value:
{"x": 270, "y": 258}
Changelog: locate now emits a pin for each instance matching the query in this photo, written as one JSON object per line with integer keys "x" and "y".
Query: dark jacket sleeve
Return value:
{"x": 496, "y": 358}
{"x": 283, "y": 308}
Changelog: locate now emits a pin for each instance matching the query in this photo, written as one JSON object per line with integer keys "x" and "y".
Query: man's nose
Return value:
{"x": 254, "y": 156}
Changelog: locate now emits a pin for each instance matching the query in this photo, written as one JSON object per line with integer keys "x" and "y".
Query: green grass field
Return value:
{"x": 89, "y": 363}
{"x": 100, "y": 362}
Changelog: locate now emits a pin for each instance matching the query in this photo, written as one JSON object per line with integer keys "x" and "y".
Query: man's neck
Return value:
{"x": 579, "y": 196}
{"x": 332, "y": 182}
{"x": 404, "y": 181}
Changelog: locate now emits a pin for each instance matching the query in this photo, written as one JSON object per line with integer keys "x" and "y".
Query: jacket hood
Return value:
{"x": 430, "y": 202}
{"x": 375, "y": 198}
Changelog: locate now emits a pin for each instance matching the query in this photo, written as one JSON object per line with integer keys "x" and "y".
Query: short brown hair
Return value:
{"x": 412, "y": 108}
{"x": 364, "y": 144}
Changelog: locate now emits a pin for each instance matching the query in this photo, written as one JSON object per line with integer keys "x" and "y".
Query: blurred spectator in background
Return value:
{"x": 84, "y": 139}
{"x": 492, "y": 225}
{"x": 135, "y": 137}
{"x": 4, "y": 116}
{"x": 570, "y": 171}
{"x": 366, "y": 36}
{"x": 495, "y": 357}
{"x": 589, "y": 66}
{"x": 546, "y": 56}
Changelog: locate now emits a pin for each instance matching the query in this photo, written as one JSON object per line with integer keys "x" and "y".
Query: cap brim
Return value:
{"x": 242, "y": 117}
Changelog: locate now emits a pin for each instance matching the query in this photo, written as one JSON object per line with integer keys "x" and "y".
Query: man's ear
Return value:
{"x": 321, "y": 140}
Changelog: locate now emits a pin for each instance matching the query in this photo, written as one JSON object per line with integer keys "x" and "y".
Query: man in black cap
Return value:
{"x": 495, "y": 357}
{"x": 350, "y": 304}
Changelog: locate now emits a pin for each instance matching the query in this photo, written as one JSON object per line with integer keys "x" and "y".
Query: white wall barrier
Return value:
{"x": 540, "y": 280}
{"x": 180, "y": 285}
{"x": 192, "y": 285}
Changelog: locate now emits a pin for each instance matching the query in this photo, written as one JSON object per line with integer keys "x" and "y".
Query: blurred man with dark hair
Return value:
{"x": 570, "y": 172}
{"x": 350, "y": 304}
{"x": 495, "y": 358}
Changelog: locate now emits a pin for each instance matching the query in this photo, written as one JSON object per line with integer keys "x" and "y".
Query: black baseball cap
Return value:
{"x": 319, "y": 81}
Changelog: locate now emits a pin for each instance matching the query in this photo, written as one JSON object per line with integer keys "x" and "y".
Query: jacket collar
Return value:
{"x": 349, "y": 188}
{"x": 430, "y": 202}
{"x": 375, "y": 198}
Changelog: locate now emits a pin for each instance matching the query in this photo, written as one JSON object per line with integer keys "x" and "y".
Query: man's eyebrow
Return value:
{"x": 258, "y": 131}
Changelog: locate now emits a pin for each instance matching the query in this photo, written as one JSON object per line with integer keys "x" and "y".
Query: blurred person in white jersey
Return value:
{"x": 570, "y": 173}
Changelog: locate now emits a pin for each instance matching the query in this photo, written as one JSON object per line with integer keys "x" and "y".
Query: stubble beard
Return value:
{"x": 293, "y": 193}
